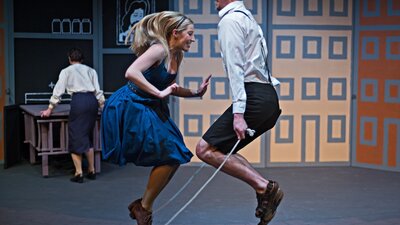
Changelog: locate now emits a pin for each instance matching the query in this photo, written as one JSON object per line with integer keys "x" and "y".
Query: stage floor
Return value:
{"x": 322, "y": 195}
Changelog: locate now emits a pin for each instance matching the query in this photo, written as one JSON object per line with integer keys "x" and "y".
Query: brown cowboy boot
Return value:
{"x": 268, "y": 202}
{"x": 142, "y": 216}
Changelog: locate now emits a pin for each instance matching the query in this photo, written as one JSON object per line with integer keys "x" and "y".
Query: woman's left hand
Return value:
{"x": 203, "y": 87}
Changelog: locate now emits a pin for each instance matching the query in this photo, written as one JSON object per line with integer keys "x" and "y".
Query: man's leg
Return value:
{"x": 236, "y": 166}
{"x": 268, "y": 193}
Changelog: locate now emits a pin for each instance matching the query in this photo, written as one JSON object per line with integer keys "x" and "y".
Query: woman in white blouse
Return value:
{"x": 81, "y": 82}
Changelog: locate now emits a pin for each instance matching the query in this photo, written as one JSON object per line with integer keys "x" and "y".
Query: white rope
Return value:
{"x": 180, "y": 190}
{"x": 251, "y": 133}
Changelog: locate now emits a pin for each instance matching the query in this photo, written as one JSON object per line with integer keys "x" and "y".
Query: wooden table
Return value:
{"x": 41, "y": 134}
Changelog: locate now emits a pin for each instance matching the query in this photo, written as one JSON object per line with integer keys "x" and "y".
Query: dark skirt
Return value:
{"x": 262, "y": 112}
{"x": 81, "y": 122}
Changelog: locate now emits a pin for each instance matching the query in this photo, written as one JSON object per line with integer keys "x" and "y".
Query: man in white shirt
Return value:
{"x": 255, "y": 104}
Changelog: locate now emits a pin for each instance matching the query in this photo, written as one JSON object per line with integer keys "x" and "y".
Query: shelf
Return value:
{"x": 53, "y": 36}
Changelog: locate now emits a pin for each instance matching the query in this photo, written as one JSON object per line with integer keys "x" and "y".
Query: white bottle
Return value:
{"x": 56, "y": 26}
{"x": 66, "y": 26}
{"x": 76, "y": 26}
{"x": 86, "y": 26}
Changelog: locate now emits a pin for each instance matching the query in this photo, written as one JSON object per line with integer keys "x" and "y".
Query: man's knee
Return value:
{"x": 202, "y": 149}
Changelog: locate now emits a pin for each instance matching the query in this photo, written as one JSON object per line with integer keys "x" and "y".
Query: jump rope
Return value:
{"x": 249, "y": 131}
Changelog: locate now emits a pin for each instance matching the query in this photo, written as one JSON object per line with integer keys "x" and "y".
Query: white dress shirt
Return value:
{"x": 77, "y": 78}
{"x": 243, "y": 50}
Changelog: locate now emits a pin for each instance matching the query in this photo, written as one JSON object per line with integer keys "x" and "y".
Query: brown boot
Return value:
{"x": 268, "y": 202}
{"x": 142, "y": 216}
{"x": 130, "y": 207}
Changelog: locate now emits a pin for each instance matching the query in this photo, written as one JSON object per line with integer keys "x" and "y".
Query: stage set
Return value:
{"x": 335, "y": 149}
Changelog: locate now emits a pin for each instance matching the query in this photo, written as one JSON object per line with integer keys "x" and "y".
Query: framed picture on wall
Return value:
{"x": 129, "y": 12}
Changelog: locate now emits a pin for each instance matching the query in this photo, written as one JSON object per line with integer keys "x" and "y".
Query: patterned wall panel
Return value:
{"x": 377, "y": 113}
{"x": 311, "y": 55}
{"x": 196, "y": 115}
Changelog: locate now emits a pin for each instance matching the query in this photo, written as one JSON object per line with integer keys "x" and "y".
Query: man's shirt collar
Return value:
{"x": 229, "y": 7}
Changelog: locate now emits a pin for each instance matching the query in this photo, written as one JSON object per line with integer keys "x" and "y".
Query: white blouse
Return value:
{"x": 77, "y": 78}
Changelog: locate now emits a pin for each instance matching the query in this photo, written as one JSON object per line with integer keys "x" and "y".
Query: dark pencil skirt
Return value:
{"x": 81, "y": 121}
{"x": 262, "y": 112}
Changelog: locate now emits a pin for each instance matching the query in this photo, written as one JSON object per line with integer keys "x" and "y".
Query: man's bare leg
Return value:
{"x": 236, "y": 166}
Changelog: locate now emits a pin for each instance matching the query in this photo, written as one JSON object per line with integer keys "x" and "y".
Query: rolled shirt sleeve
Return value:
{"x": 98, "y": 92}
{"x": 231, "y": 41}
{"x": 59, "y": 89}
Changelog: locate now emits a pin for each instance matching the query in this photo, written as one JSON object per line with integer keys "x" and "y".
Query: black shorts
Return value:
{"x": 262, "y": 112}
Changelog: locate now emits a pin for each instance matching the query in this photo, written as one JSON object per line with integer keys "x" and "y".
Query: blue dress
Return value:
{"x": 136, "y": 127}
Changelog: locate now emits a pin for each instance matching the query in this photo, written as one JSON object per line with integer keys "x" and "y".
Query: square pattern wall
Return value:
{"x": 377, "y": 114}
{"x": 311, "y": 56}
{"x": 311, "y": 53}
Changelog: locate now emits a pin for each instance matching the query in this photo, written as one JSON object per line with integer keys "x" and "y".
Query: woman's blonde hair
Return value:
{"x": 157, "y": 28}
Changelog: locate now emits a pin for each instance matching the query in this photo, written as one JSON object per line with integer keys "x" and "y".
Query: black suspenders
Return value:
{"x": 243, "y": 13}
{"x": 262, "y": 47}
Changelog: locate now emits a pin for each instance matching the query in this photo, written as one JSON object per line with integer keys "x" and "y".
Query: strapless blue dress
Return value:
{"x": 137, "y": 127}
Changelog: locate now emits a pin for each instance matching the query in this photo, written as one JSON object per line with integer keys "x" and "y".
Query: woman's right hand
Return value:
{"x": 169, "y": 90}
{"x": 45, "y": 113}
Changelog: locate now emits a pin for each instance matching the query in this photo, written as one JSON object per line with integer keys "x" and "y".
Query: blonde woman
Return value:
{"x": 136, "y": 125}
